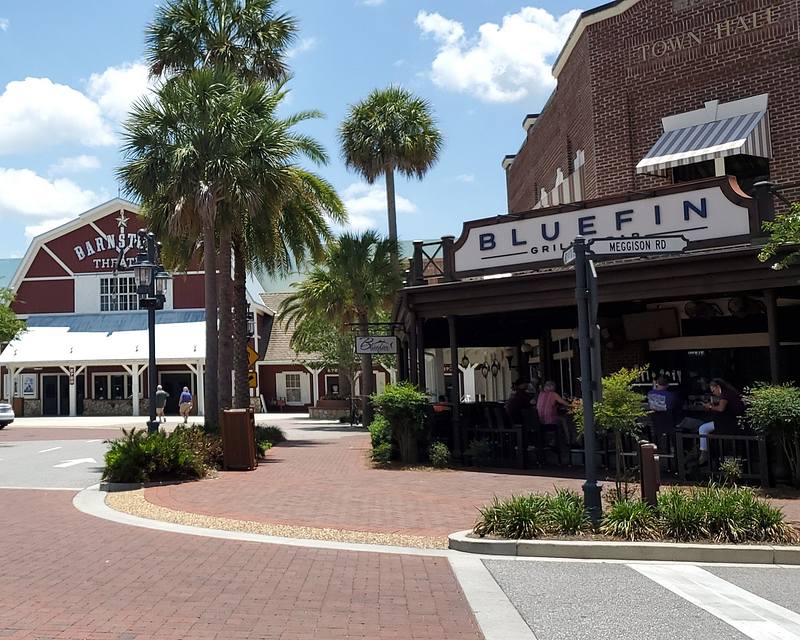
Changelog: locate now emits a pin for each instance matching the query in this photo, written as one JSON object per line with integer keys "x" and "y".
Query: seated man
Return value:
{"x": 661, "y": 400}
{"x": 519, "y": 401}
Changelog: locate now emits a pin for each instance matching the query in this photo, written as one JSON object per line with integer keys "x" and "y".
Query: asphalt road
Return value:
{"x": 615, "y": 601}
{"x": 52, "y": 464}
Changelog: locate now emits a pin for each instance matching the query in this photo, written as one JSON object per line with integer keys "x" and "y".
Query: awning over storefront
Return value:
{"x": 710, "y": 133}
{"x": 107, "y": 338}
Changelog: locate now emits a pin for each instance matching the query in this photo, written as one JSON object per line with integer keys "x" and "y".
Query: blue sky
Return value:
{"x": 70, "y": 70}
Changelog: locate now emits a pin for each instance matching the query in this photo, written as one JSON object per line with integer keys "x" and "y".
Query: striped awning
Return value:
{"x": 747, "y": 134}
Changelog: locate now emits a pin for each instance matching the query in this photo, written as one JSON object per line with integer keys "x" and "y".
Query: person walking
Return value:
{"x": 161, "y": 402}
{"x": 185, "y": 404}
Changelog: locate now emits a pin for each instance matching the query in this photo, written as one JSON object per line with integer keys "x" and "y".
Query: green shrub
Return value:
{"x": 206, "y": 445}
{"x": 479, "y": 451}
{"x": 262, "y": 446}
{"x": 775, "y": 410}
{"x": 566, "y": 513}
{"x": 380, "y": 431}
{"x": 681, "y": 517}
{"x": 270, "y": 433}
{"x": 439, "y": 455}
{"x": 514, "y": 518}
{"x": 730, "y": 471}
{"x": 630, "y": 520}
{"x": 139, "y": 457}
{"x": 382, "y": 454}
{"x": 403, "y": 406}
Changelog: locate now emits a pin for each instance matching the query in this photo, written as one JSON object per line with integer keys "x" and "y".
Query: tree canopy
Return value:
{"x": 10, "y": 325}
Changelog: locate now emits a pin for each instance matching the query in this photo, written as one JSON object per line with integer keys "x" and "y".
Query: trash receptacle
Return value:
{"x": 18, "y": 406}
{"x": 238, "y": 440}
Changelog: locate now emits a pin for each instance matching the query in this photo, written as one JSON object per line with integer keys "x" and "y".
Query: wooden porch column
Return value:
{"x": 420, "y": 331}
{"x": 413, "y": 352}
{"x": 402, "y": 360}
{"x": 455, "y": 388}
{"x": 772, "y": 330}
{"x": 546, "y": 355}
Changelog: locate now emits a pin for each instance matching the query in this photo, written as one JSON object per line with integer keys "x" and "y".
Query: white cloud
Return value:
{"x": 74, "y": 164}
{"x": 399, "y": 63}
{"x": 33, "y": 230}
{"x": 305, "y": 45}
{"x": 25, "y": 193}
{"x": 466, "y": 177}
{"x": 502, "y": 63}
{"x": 36, "y": 112}
{"x": 372, "y": 3}
{"x": 4, "y": 24}
{"x": 361, "y": 198}
{"x": 116, "y": 88}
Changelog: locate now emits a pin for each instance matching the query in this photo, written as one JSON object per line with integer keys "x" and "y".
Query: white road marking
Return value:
{"x": 496, "y": 616}
{"x": 90, "y": 441}
{"x": 755, "y": 617}
{"x": 2, "y": 488}
{"x": 72, "y": 463}
{"x": 50, "y": 449}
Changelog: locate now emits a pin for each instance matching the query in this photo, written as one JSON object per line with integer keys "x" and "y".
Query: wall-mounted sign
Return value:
{"x": 637, "y": 246}
{"x": 376, "y": 344}
{"x": 715, "y": 211}
{"x": 109, "y": 244}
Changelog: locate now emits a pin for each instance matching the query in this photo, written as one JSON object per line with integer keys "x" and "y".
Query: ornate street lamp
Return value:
{"x": 151, "y": 286}
{"x": 464, "y": 362}
{"x": 495, "y": 368}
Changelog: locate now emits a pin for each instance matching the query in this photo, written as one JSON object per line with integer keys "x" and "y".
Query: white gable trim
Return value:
{"x": 87, "y": 217}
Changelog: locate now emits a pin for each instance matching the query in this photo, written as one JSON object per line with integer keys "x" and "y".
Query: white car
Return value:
{"x": 6, "y": 414}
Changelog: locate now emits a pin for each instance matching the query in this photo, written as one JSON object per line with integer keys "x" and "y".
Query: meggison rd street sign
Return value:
{"x": 634, "y": 246}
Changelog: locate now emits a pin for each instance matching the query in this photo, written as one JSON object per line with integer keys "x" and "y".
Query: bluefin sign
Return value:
{"x": 715, "y": 212}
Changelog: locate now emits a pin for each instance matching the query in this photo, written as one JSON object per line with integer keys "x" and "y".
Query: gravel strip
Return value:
{"x": 134, "y": 503}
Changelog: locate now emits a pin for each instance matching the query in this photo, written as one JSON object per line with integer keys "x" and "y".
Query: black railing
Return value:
{"x": 431, "y": 261}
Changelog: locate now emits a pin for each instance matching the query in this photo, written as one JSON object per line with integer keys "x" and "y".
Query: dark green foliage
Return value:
{"x": 262, "y": 446}
{"x": 533, "y": 516}
{"x": 380, "y": 431}
{"x": 775, "y": 410}
{"x": 10, "y": 325}
{"x": 270, "y": 433}
{"x": 681, "y": 517}
{"x": 382, "y": 454}
{"x": 566, "y": 513}
{"x": 479, "y": 452}
{"x": 439, "y": 455}
{"x": 630, "y": 520}
{"x": 187, "y": 453}
{"x": 403, "y": 407}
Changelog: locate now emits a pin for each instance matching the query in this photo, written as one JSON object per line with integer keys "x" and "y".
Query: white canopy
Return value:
{"x": 107, "y": 338}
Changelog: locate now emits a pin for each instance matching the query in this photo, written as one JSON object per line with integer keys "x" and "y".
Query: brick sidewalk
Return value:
{"x": 70, "y": 576}
{"x": 330, "y": 484}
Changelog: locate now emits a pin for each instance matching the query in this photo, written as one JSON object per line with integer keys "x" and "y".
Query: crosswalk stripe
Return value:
{"x": 754, "y": 616}
{"x": 50, "y": 449}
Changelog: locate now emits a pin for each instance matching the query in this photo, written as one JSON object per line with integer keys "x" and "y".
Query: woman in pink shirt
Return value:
{"x": 547, "y": 407}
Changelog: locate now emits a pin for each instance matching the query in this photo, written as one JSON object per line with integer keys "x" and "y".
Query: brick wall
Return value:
{"x": 658, "y": 58}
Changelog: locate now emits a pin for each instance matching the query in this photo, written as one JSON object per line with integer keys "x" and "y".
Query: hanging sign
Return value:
{"x": 714, "y": 211}
{"x": 376, "y": 344}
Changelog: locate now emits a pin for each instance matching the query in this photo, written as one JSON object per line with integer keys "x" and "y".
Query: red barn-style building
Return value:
{"x": 85, "y": 350}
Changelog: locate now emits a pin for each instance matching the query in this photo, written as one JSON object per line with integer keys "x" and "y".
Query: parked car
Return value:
{"x": 6, "y": 414}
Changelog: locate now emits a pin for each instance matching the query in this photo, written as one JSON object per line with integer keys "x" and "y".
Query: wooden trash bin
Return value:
{"x": 238, "y": 440}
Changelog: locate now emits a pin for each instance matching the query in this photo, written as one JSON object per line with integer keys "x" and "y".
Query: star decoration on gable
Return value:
{"x": 122, "y": 221}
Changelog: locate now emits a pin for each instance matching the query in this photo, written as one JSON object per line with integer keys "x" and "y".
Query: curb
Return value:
{"x": 630, "y": 551}
{"x": 112, "y": 487}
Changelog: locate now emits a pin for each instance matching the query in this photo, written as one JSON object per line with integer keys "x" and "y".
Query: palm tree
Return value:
{"x": 247, "y": 36}
{"x": 355, "y": 281}
{"x": 211, "y": 143}
{"x": 391, "y": 130}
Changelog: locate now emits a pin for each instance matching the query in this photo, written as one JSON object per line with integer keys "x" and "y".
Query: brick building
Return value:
{"x": 629, "y": 64}
{"x": 670, "y": 117}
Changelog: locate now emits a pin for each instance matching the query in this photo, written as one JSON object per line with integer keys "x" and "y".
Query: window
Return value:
{"x": 293, "y": 392}
{"x": 118, "y": 294}
{"x": 112, "y": 386}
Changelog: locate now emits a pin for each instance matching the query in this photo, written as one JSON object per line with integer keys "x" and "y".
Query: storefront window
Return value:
{"x": 118, "y": 294}
{"x": 293, "y": 394}
{"x": 746, "y": 169}
{"x": 112, "y": 386}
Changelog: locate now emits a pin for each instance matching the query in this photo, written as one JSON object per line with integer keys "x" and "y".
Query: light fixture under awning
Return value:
{"x": 744, "y": 133}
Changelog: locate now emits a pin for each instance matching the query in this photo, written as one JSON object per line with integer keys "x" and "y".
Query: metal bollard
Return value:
{"x": 650, "y": 472}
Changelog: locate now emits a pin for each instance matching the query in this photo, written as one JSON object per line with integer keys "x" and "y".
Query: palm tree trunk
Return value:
{"x": 211, "y": 400}
{"x": 240, "y": 387}
{"x": 391, "y": 208}
{"x": 366, "y": 373}
{"x": 224, "y": 300}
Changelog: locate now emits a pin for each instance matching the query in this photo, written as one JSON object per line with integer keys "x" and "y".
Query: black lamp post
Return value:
{"x": 151, "y": 286}
{"x": 251, "y": 322}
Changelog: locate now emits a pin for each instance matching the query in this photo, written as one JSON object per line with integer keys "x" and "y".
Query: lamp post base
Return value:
{"x": 153, "y": 426}
{"x": 592, "y": 501}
